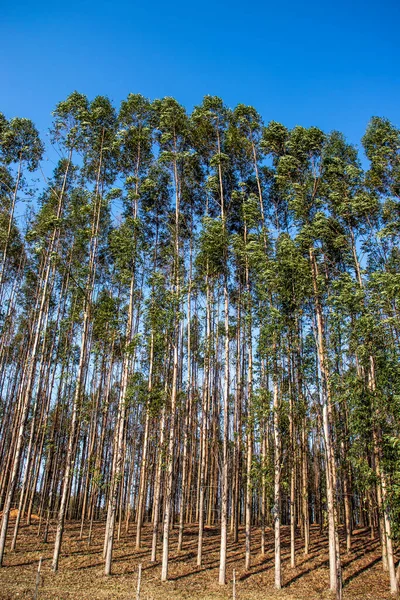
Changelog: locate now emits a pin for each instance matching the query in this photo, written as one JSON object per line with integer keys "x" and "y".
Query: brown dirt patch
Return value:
{"x": 80, "y": 575}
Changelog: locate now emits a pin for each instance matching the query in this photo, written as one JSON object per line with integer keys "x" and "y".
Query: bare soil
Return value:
{"x": 81, "y": 577}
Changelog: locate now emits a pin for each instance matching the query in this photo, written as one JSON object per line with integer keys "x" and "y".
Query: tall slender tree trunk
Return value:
{"x": 157, "y": 486}
{"x": 188, "y": 416}
{"x": 249, "y": 439}
{"x": 225, "y": 440}
{"x": 81, "y": 369}
{"x": 327, "y": 415}
{"x": 175, "y": 371}
{"x": 30, "y": 375}
{"x": 277, "y": 474}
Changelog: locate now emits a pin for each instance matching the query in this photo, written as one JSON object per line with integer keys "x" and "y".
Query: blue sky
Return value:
{"x": 329, "y": 64}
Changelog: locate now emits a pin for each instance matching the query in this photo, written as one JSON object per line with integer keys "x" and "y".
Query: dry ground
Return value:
{"x": 80, "y": 575}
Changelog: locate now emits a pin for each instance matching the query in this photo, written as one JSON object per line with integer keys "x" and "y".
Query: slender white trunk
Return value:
{"x": 224, "y": 482}
{"x": 157, "y": 487}
{"x": 335, "y": 570}
{"x": 277, "y": 478}
{"x": 30, "y": 375}
{"x": 80, "y": 375}
{"x": 175, "y": 371}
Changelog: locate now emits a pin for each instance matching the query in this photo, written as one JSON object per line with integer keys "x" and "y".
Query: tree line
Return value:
{"x": 200, "y": 325}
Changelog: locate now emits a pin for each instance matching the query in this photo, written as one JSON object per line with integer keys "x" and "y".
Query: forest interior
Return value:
{"x": 199, "y": 360}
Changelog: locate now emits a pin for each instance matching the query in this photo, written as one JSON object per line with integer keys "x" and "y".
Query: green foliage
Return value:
{"x": 151, "y": 210}
{"x": 382, "y": 146}
{"x": 20, "y": 142}
{"x": 213, "y": 244}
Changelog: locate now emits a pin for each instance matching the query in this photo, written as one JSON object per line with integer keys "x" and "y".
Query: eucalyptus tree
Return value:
{"x": 98, "y": 124}
{"x": 292, "y": 290}
{"x": 210, "y": 123}
{"x": 210, "y": 267}
{"x": 159, "y": 317}
{"x": 356, "y": 209}
{"x": 22, "y": 138}
{"x": 244, "y": 243}
{"x": 245, "y": 142}
{"x": 21, "y": 146}
{"x": 192, "y": 200}
{"x": 299, "y": 161}
{"x": 272, "y": 324}
{"x": 381, "y": 145}
{"x": 194, "y": 297}
{"x": 135, "y": 134}
{"x": 45, "y": 235}
{"x": 350, "y": 206}
{"x": 172, "y": 132}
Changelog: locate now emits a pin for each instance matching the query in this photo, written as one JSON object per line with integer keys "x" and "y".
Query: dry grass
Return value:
{"x": 14, "y": 514}
{"x": 80, "y": 575}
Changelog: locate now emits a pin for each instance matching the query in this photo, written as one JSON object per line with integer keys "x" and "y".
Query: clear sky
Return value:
{"x": 330, "y": 64}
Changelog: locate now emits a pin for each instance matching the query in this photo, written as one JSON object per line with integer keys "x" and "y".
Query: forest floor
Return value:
{"x": 81, "y": 577}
